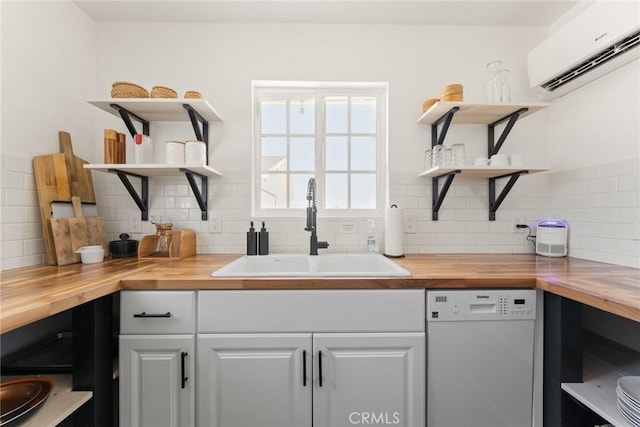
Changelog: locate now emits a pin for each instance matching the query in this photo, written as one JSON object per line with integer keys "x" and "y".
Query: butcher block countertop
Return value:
{"x": 32, "y": 293}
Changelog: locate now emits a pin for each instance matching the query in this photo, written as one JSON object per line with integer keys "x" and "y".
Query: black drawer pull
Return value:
{"x": 183, "y": 356}
{"x": 320, "y": 368}
{"x": 144, "y": 314}
{"x": 304, "y": 368}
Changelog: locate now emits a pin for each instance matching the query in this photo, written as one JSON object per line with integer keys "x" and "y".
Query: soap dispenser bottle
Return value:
{"x": 263, "y": 246}
{"x": 372, "y": 243}
{"x": 252, "y": 241}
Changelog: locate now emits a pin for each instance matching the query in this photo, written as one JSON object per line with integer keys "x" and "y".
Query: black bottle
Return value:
{"x": 263, "y": 248}
{"x": 252, "y": 241}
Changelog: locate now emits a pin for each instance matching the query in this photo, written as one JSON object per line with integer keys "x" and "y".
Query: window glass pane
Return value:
{"x": 302, "y": 116}
{"x": 336, "y": 157}
{"x": 363, "y": 115}
{"x": 274, "y": 117}
{"x": 336, "y": 115}
{"x": 302, "y": 154}
{"x": 298, "y": 194}
{"x": 274, "y": 154}
{"x": 336, "y": 191}
{"x": 363, "y": 191}
{"x": 273, "y": 191}
{"x": 363, "y": 153}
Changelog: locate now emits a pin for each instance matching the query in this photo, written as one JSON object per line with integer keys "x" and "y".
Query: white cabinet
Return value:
{"x": 157, "y": 359}
{"x": 156, "y": 380}
{"x": 268, "y": 357}
{"x": 369, "y": 379}
{"x": 254, "y": 380}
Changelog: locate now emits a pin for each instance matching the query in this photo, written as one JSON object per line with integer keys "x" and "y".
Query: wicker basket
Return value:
{"x": 163, "y": 92}
{"x": 128, "y": 90}
{"x": 192, "y": 94}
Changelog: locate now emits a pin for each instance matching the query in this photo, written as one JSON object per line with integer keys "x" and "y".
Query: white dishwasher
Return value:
{"x": 480, "y": 358}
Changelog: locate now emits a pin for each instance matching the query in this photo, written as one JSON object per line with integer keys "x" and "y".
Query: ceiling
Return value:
{"x": 527, "y": 13}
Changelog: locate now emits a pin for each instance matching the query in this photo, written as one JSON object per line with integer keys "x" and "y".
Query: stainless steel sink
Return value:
{"x": 325, "y": 265}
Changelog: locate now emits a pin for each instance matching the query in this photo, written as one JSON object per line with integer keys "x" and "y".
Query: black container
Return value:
{"x": 252, "y": 241}
{"x": 263, "y": 246}
{"x": 123, "y": 248}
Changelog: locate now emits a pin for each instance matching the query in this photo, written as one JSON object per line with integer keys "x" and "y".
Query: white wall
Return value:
{"x": 48, "y": 67}
{"x": 594, "y": 153}
{"x": 221, "y": 61}
{"x": 78, "y": 59}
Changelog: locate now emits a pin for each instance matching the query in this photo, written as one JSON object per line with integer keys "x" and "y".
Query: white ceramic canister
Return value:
{"x": 175, "y": 152}
{"x": 195, "y": 153}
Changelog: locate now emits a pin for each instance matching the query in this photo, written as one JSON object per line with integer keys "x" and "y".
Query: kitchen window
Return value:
{"x": 333, "y": 132}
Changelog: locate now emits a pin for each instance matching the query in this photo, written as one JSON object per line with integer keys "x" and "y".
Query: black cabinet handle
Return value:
{"x": 183, "y": 356}
{"x": 304, "y": 368}
{"x": 319, "y": 368}
{"x": 144, "y": 314}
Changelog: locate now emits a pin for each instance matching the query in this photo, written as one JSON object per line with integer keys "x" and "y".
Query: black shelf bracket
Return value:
{"x": 199, "y": 193}
{"x": 445, "y": 119}
{"x": 495, "y": 202}
{"x": 437, "y": 195}
{"x": 142, "y": 199}
{"x": 200, "y": 127}
{"x": 493, "y": 146}
{"x": 127, "y": 116}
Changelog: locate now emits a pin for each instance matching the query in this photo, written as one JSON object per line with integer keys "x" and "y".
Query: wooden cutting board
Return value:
{"x": 70, "y": 234}
{"x": 58, "y": 177}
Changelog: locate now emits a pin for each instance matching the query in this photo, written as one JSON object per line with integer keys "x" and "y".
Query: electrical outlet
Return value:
{"x": 636, "y": 231}
{"x": 135, "y": 223}
{"x": 514, "y": 225}
{"x": 410, "y": 223}
{"x": 215, "y": 222}
{"x": 347, "y": 228}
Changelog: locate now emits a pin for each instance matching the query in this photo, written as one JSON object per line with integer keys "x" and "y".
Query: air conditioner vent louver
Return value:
{"x": 613, "y": 51}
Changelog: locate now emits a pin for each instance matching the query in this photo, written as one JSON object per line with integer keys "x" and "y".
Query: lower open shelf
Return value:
{"x": 478, "y": 171}
{"x": 61, "y": 403}
{"x": 603, "y": 363}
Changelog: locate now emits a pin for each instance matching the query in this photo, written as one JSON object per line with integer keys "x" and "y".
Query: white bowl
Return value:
{"x": 91, "y": 254}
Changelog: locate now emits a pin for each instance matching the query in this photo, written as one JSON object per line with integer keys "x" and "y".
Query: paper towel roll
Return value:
{"x": 393, "y": 219}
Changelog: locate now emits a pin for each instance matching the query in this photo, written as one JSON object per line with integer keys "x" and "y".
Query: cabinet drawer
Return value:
{"x": 312, "y": 311}
{"x": 157, "y": 312}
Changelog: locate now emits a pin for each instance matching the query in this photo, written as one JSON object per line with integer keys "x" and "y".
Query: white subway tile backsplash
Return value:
{"x": 600, "y": 204}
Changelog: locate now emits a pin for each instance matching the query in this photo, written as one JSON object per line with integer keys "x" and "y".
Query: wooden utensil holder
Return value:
{"x": 182, "y": 245}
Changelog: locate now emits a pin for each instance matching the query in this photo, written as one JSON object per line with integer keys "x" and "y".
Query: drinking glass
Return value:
{"x": 458, "y": 157}
{"x": 505, "y": 87}
{"x": 447, "y": 161}
{"x": 491, "y": 82}
{"x": 428, "y": 159}
{"x": 438, "y": 155}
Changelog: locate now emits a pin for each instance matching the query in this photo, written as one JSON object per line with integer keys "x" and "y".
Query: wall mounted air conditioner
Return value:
{"x": 600, "y": 39}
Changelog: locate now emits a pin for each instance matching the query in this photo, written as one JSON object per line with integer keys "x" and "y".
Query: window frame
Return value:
{"x": 263, "y": 90}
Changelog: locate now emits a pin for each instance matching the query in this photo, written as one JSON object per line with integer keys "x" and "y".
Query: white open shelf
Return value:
{"x": 155, "y": 169}
{"x": 61, "y": 403}
{"x": 603, "y": 363}
{"x": 160, "y": 109}
{"x": 478, "y": 171}
{"x": 477, "y": 114}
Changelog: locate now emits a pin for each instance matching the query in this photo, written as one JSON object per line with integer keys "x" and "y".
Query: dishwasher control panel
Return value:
{"x": 492, "y": 304}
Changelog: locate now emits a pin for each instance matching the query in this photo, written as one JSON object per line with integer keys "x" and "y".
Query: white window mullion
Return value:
{"x": 320, "y": 150}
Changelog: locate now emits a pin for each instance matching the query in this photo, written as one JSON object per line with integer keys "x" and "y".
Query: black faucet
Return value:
{"x": 311, "y": 219}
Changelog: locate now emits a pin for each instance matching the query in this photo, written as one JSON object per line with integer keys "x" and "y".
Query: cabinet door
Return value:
{"x": 153, "y": 390}
{"x": 247, "y": 380}
{"x": 369, "y": 379}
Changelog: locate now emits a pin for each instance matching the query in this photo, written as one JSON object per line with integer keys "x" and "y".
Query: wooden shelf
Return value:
{"x": 61, "y": 403}
{"x": 603, "y": 363}
{"x": 155, "y": 169}
{"x": 159, "y": 109}
{"x": 477, "y": 114}
{"x": 477, "y": 171}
